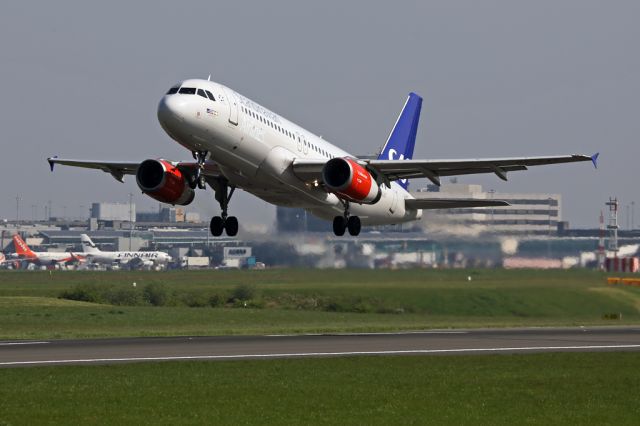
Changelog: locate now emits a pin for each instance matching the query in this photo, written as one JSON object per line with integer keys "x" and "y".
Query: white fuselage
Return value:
{"x": 123, "y": 257}
{"x": 46, "y": 257}
{"x": 255, "y": 147}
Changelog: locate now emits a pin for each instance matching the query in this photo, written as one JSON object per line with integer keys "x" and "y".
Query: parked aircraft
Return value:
{"x": 24, "y": 253}
{"x": 237, "y": 143}
{"x": 8, "y": 263}
{"x": 131, "y": 258}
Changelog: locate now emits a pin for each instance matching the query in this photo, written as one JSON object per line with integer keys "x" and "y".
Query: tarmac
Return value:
{"x": 435, "y": 342}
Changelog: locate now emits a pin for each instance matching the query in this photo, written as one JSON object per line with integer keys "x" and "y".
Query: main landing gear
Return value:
{"x": 346, "y": 221}
{"x": 224, "y": 192}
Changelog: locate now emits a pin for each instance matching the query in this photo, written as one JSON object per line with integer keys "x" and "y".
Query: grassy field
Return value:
{"x": 293, "y": 301}
{"x": 569, "y": 388}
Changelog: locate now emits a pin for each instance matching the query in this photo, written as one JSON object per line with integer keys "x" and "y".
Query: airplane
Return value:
{"x": 24, "y": 253}
{"x": 6, "y": 263}
{"x": 237, "y": 143}
{"x": 132, "y": 258}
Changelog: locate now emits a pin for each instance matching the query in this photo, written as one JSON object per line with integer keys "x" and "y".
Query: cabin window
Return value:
{"x": 201, "y": 93}
{"x": 187, "y": 90}
{"x": 173, "y": 90}
{"x": 210, "y": 95}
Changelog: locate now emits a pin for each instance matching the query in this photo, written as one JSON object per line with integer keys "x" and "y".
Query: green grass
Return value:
{"x": 294, "y": 301}
{"x": 568, "y": 388}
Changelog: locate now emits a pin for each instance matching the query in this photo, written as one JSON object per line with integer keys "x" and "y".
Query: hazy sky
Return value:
{"x": 499, "y": 78}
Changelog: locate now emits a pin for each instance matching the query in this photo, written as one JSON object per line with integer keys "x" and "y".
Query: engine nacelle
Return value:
{"x": 349, "y": 180}
{"x": 164, "y": 182}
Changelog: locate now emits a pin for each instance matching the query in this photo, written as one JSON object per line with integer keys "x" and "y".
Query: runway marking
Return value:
{"x": 23, "y": 343}
{"x": 319, "y": 354}
{"x": 381, "y": 333}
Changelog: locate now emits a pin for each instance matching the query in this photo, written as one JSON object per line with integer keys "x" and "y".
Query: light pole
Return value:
{"x": 492, "y": 191}
{"x": 549, "y": 230}
{"x": 18, "y": 199}
{"x": 130, "y": 219}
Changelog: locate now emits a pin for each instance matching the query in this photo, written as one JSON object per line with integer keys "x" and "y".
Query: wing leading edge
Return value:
{"x": 118, "y": 169}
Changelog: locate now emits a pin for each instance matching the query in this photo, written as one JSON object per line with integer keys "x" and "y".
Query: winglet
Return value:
{"x": 594, "y": 159}
{"x": 51, "y": 162}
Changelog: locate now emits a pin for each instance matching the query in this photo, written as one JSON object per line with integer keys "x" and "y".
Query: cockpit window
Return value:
{"x": 187, "y": 90}
{"x": 173, "y": 90}
{"x": 210, "y": 95}
{"x": 201, "y": 93}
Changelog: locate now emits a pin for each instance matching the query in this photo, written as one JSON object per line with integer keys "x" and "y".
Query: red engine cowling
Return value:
{"x": 164, "y": 182}
{"x": 349, "y": 180}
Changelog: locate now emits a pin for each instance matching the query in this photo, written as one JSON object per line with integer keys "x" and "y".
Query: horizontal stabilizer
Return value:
{"x": 451, "y": 203}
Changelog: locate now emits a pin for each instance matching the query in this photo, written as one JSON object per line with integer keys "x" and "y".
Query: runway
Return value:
{"x": 437, "y": 342}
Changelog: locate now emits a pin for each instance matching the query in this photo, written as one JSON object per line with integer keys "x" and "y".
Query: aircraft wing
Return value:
{"x": 118, "y": 169}
{"x": 389, "y": 170}
{"x": 451, "y": 203}
{"x": 433, "y": 169}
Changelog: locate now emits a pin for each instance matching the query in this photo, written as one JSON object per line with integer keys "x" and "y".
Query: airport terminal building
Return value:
{"x": 528, "y": 213}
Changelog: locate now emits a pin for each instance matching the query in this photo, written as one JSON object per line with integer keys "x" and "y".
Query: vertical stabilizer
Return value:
{"x": 402, "y": 139}
{"x": 22, "y": 249}
{"x": 87, "y": 245}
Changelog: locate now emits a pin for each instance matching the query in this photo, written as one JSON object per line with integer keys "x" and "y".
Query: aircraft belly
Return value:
{"x": 238, "y": 161}
{"x": 388, "y": 210}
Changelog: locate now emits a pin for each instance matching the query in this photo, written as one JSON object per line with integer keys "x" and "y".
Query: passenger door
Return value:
{"x": 233, "y": 106}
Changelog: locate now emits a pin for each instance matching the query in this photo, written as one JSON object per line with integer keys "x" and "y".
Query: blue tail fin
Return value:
{"x": 402, "y": 139}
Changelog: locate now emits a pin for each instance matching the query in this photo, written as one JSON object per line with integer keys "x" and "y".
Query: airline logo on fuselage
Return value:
{"x": 22, "y": 248}
{"x": 139, "y": 254}
{"x": 392, "y": 154}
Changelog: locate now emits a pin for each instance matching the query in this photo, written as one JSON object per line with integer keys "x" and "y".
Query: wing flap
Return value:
{"x": 451, "y": 203}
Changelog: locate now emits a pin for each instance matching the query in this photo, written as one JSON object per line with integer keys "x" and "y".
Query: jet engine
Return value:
{"x": 349, "y": 180}
{"x": 164, "y": 182}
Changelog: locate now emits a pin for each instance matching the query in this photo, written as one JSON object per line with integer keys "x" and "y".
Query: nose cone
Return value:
{"x": 171, "y": 109}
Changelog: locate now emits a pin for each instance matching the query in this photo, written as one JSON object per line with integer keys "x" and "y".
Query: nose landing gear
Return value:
{"x": 197, "y": 179}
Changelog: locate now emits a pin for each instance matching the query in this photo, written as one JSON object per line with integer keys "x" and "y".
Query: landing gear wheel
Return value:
{"x": 231, "y": 226}
{"x": 192, "y": 181}
{"x": 353, "y": 224}
{"x": 339, "y": 225}
{"x": 223, "y": 192}
{"x": 202, "y": 183}
{"x": 216, "y": 226}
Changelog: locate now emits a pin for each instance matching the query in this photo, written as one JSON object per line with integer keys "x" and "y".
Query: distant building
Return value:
{"x": 168, "y": 214}
{"x": 528, "y": 213}
{"x": 298, "y": 220}
{"x": 192, "y": 217}
{"x": 113, "y": 212}
{"x": 152, "y": 216}
{"x": 179, "y": 214}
